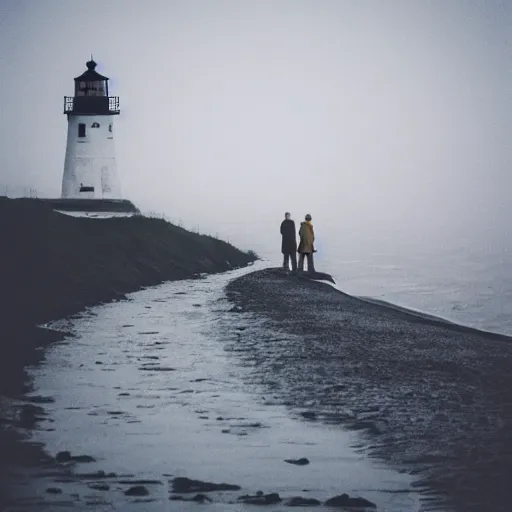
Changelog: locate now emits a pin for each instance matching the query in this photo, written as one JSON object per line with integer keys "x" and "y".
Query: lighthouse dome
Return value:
{"x": 91, "y": 75}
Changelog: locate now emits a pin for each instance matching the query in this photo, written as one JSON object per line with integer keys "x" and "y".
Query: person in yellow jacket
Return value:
{"x": 306, "y": 244}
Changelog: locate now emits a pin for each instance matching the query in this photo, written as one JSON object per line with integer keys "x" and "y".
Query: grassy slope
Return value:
{"x": 52, "y": 265}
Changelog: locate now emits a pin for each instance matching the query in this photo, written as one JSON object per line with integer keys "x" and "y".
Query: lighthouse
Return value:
{"x": 90, "y": 164}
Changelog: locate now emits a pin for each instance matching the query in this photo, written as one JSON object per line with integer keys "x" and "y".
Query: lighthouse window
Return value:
{"x": 81, "y": 129}
{"x": 95, "y": 125}
{"x": 110, "y": 127}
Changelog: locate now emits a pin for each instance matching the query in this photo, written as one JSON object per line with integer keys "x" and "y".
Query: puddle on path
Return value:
{"x": 147, "y": 388}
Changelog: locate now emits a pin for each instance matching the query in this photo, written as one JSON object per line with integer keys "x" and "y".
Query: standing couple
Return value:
{"x": 289, "y": 243}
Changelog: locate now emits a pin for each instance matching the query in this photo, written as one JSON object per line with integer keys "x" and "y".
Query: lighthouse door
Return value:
{"x": 106, "y": 187}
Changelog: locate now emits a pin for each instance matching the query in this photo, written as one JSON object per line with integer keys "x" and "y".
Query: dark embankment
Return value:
{"x": 53, "y": 265}
{"x": 430, "y": 397}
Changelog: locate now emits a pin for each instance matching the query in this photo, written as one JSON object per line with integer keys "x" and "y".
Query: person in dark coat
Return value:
{"x": 289, "y": 243}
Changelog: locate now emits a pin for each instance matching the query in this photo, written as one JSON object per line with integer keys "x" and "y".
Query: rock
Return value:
{"x": 310, "y": 415}
{"x": 298, "y": 462}
{"x": 66, "y": 456}
{"x": 298, "y": 501}
{"x": 198, "y": 498}
{"x": 346, "y": 501}
{"x": 186, "y": 485}
{"x": 99, "y": 486}
{"x": 136, "y": 490}
{"x": 201, "y": 498}
{"x": 261, "y": 499}
{"x": 63, "y": 456}
{"x": 83, "y": 458}
{"x": 54, "y": 490}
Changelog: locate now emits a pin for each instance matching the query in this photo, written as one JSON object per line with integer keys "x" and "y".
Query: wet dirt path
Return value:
{"x": 153, "y": 388}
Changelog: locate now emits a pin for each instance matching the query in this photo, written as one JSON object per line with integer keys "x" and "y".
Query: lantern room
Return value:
{"x": 90, "y": 82}
{"x": 91, "y": 95}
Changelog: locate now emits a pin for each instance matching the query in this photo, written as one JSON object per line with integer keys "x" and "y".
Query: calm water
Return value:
{"x": 462, "y": 275}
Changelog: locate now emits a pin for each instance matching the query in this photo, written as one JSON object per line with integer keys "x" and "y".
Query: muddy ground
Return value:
{"x": 432, "y": 398}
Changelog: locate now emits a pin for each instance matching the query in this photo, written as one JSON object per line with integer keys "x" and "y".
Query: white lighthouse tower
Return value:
{"x": 90, "y": 165}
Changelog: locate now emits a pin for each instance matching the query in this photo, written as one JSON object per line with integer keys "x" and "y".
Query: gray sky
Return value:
{"x": 374, "y": 114}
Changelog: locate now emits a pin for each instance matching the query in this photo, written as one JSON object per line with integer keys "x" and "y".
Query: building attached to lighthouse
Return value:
{"x": 90, "y": 170}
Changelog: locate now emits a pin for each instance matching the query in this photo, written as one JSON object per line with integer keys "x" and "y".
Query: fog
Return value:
{"x": 370, "y": 115}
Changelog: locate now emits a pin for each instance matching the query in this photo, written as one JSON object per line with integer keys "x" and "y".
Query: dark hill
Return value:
{"x": 53, "y": 265}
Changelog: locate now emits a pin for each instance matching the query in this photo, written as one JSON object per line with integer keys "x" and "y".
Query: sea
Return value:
{"x": 460, "y": 274}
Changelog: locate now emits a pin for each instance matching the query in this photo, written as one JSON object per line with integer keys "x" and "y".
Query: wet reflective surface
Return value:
{"x": 153, "y": 388}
